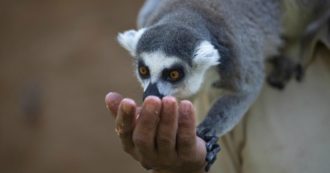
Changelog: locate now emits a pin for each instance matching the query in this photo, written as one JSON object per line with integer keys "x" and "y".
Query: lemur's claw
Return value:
{"x": 212, "y": 147}
{"x": 211, "y": 143}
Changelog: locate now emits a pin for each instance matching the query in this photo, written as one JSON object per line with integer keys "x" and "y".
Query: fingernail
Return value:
{"x": 151, "y": 104}
{"x": 110, "y": 100}
{"x": 186, "y": 107}
{"x": 169, "y": 99}
{"x": 108, "y": 96}
{"x": 127, "y": 106}
{"x": 150, "y": 107}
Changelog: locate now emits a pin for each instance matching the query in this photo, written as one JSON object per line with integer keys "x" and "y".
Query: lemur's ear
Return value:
{"x": 129, "y": 39}
{"x": 206, "y": 55}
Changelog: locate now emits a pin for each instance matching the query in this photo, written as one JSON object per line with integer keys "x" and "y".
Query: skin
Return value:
{"x": 160, "y": 134}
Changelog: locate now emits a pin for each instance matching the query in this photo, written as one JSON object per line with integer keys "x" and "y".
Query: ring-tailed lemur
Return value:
{"x": 179, "y": 41}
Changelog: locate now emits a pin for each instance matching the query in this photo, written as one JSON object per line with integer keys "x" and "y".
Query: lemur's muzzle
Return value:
{"x": 152, "y": 90}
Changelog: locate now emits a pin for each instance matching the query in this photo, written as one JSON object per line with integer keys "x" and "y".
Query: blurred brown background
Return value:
{"x": 58, "y": 59}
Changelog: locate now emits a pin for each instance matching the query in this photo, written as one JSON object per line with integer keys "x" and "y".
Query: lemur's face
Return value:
{"x": 161, "y": 74}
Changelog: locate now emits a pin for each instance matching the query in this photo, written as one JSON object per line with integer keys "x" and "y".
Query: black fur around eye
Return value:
{"x": 143, "y": 70}
{"x": 173, "y": 75}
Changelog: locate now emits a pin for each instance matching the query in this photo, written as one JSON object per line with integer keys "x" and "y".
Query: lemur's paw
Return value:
{"x": 283, "y": 69}
{"x": 212, "y": 147}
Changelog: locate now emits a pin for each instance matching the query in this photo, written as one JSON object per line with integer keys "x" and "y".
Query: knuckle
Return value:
{"x": 140, "y": 141}
{"x": 125, "y": 132}
{"x": 163, "y": 140}
{"x": 185, "y": 141}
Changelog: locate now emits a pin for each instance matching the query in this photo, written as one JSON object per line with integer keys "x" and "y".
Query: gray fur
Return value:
{"x": 175, "y": 40}
{"x": 146, "y": 10}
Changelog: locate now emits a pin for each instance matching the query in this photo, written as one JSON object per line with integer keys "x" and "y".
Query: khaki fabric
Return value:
{"x": 297, "y": 16}
{"x": 285, "y": 131}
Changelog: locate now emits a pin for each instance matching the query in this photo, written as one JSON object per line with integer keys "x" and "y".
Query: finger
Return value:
{"x": 186, "y": 137}
{"x": 167, "y": 128}
{"x": 146, "y": 127}
{"x": 125, "y": 122}
{"x": 112, "y": 101}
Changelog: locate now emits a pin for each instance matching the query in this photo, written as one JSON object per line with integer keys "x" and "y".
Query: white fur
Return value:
{"x": 204, "y": 58}
{"x": 165, "y": 88}
{"x": 129, "y": 39}
{"x": 157, "y": 62}
{"x": 191, "y": 85}
{"x": 206, "y": 55}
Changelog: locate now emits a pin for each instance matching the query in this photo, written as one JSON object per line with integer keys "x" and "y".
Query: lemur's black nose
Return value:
{"x": 152, "y": 90}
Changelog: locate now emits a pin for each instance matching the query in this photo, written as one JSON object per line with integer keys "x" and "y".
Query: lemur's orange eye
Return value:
{"x": 144, "y": 71}
{"x": 174, "y": 75}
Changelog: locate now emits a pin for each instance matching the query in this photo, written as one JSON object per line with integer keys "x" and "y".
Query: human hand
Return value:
{"x": 160, "y": 134}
